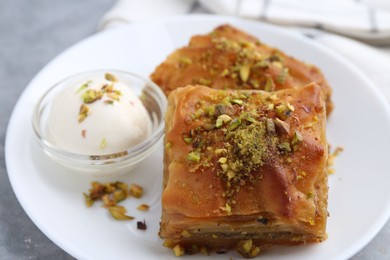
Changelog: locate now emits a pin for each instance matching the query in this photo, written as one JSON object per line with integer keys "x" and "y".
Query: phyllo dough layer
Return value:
{"x": 244, "y": 169}
{"x": 228, "y": 58}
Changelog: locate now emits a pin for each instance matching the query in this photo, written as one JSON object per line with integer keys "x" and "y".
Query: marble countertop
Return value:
{"x": 31, "y": 34}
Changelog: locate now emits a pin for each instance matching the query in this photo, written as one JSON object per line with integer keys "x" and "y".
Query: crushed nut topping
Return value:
{"x": 143, "y": 207}
{"x": 111, "y": 194}
{"x": 119, "y": 213}
{"x": 110, "y": 77}
{"x": 136, "y": 190}
{"x": 245, "y": 135}
{"x": 89, "y": 96}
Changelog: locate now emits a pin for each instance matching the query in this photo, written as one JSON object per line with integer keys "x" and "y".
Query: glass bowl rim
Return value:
{"x": 130, "y": 156}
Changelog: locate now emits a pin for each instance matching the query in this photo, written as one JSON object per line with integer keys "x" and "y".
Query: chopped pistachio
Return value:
{"x": 289, "y": 106}
{"x": 225, "y": 118}
{"x": 88, "y": 200}
{"x": 203, "y": 81}
{"x": 108, "y": 200}
{"x": 91, "y": 95}
{"x": 218, "y": 123}
{"x": 237, "y": 101}
{"x": 120, "y": 195}
{"x": 143, "y": 207}
{"x": 227, "y": 208}
{"x": 277, "y": 64}
{"x": 225, "y": 72}
{"x": 247, "y": 248}
{"x": 178, "y": 250}
{"x": 185, "y": 233}
{"x": 119, "y": 213}
{"x": 248, "y": 117}
{"x": 255, "y": 83}
{"x": 103, "y": 143}
{"x": 297, "y": 138}
{"x": 247, "y": 245}
{"x": 231, "y": 174}
{"x": 276, "y": 57}
{"x": 185, "y": 60}
{"x": 301, "y": 175}
{"x": 270, "y": 126}
{"x": 309, "y": 195}
{"x": 84, "y": 86}
{"x": 210, "y": 110}
{"x": 168, "y": 145}
{"x": 194, "y": 157}
{"x": 234, "y": 124}
{"x": 281, "y": 78}
{"x": 269, "y": 84}
{"x": 284, "y": 146}
{"x": 222, "y": 160}
{"x": 285, "y": 127}
{"x": 280, "y": 109}
{"x": 122, "y": 186}
{"x": 136, "y": 190}
{"x": 262, "y": 64}
{"x": 188, "y": 140}
{"x": 284, "y": 110}
{"x": 271, "y": 106}
{"x": 245, "y": 71}
{"x": 219, "y": 151}
{"x": 214, "y": 236}
{"x": 107, "y": 88}
{"x": 109, "y": 102}
{"x": 83, "y": 112}
{"x": 110, "y": 77}
{"x": 113, "y": 95}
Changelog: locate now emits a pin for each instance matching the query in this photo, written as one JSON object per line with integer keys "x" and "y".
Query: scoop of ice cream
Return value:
{"x": 100, "y": 115}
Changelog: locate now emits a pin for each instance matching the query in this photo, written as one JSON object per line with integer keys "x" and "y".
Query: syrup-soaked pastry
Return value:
{"x": 244, "y": 169}
{"x": 228, "y": 58}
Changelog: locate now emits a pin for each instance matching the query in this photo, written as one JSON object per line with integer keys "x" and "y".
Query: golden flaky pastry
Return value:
{"x": 228, "y": 58}
{"x": 244, "y": 169}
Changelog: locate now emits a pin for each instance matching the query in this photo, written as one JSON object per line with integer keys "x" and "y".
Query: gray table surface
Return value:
{"x": 31, "y": 34}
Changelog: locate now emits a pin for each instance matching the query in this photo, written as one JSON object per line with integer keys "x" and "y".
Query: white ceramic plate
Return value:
{"x": 359, "y": 198}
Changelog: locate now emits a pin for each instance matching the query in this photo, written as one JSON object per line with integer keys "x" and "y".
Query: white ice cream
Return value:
{"x": 113, "y": 123}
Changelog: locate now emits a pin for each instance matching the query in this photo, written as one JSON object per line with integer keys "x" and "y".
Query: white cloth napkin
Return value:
{"x": 367, "y": 20}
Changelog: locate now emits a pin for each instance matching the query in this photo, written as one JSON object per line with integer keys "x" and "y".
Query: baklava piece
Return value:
{"x": 244, "y": 169}
{"x": 228, "y": 58}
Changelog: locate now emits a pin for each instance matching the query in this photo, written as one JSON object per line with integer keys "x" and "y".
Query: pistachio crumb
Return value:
{"x": 91, "y": 95}
{"x": 143, "y": 207}
{"x": 136, "y": 190}
{"x": 83, "y": 86}
{"x": 110, "y": 77}
{"x": 185, "y": 233}
{"x": 194, "y": 157}
{"x": 178, "y": 250}
{"x": 245, "y": 72}
{"x": 119, "y": 213}
{"x": 83, "y": 112}
{"x": 103, "y": 143}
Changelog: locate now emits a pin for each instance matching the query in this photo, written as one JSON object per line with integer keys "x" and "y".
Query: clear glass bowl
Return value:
{"x": 123, "y": 161}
